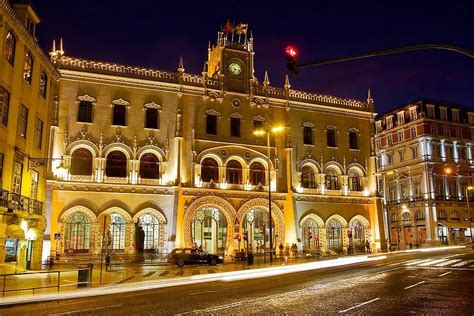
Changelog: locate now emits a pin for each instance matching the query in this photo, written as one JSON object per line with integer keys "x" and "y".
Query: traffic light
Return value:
{"x": 292, "y": 59}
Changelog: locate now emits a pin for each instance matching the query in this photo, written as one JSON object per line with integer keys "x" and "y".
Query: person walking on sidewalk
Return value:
{"x": 367, "y": 246}
{"x": 294, "y": 250}
{"x": 281, "y": 248}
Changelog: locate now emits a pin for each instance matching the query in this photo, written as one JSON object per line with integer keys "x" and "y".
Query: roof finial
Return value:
{"x": 54, "y": 46}
{"x": 181, "y": 65}
{"x": 287, "y": 82}
{"x": 266, "y": 82}
{"x": 61, "y": 46}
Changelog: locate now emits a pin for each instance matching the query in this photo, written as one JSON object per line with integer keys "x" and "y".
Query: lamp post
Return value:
{"x": 268, "y": 131}
{"x": 469, "y": 188}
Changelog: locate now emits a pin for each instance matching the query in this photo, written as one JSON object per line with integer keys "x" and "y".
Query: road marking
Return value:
{"x": 417, "y": 262}
{"x": 86, "y": 310}
{"x": 446, "y": 273}
{"x": 432, "y": 262}
{"x": 416, "y": 284}
{"x": 460, "y": 254}
{"x": 447, "y": 263}
{"x": 457, "y": 265}
{"x": 361, "y": 304}
{"x": 192, "y": 294}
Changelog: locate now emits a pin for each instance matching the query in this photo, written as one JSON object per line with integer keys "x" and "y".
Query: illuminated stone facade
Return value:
{"x": 426, "y": 163}
{"x": 27, "y": 88}
{"x": 180, "y": 148}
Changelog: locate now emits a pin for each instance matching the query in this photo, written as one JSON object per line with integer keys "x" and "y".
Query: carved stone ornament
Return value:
{"x": 258, "y": 118}
{"x": 353, "y": 130}
{"x": 331, "y": 127}
{"x": 118, "y": 135}
{"x": 86, "y": 98}
{"x": 308, "y": 124}
{"x": 247, "y": 155}
{"x": 236, "y": 103}
{"x": 152, "y": 105}
{"x": 213, "y": 112}
{"x": 151, "y": 138}
{"x": 84, "y": 132}
{"x": 121, "y": 101}
{"x": 236, "y": 115}
{"x": 224, "y": 153}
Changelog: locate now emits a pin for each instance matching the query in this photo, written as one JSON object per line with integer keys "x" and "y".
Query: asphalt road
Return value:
{"x": 440, "y": 282}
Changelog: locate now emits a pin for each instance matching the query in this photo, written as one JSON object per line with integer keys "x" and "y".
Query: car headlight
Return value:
{"x": 220, "y": 257}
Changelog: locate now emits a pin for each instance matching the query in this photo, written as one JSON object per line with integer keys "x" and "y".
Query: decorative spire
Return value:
{"x": 54, "y": 46}
{"x": 181, "y": 65}
{"x": 266, "y": 82}
{"x": 61, "y": 46}
{"x": 287, "y": 82}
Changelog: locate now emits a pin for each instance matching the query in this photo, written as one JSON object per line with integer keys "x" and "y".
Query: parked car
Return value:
{"x": 182, "y": 256}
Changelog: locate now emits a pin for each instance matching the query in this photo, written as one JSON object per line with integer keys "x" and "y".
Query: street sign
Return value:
{"x": 57, "y": 236}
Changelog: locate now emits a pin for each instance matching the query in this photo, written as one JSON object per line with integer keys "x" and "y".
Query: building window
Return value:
{"x": 17, "y": 176}
{"x": 10, "y": 48}
{"x": 389, "y": 140}
{"x": 117, "y": 230}
{"x": 151, "y": 118}
{"x": 406, "y": 218}
{"x": 400, "y": 136}
{"x": 414, "y": 152}
{"x": 446, "y": 132}
{"x": 149, "y": 166}
{"x": 257, "y": 174}
{"x": 34, "y": 184}
{"x": 308, "y": 180}
{"x": 331, "y": 180}
{"x": 353, "y": 140}
{"x": 308, "y": 135}
{"x": 401, "y": 118}
{"x": 401, "y": 154}
{"x": 258, "y": 125}
{"x": 209, "y": 170}
{"x": 378, "y": 143}
{"x": 234, "y": 172}
{"x": 234, "y": 127}
{"x": 455, "y": 215}
{"x": 81, "y": 162}
{"x": 77, "y": 231}
{"x": 38, "y": 133}
{"x": 420, "y": 215}
{"x": 43, "y": 85}
{"x": 354, "y": 181}
{"x": 413, "y": 114}
{"x": 152, "y": 228}
{"x": 119, "y": 115}
{"x": 389, "y": 158}
{"x": 455, "y": 113}
{"x": 441, "y": 214}
{"x": 116, "y": 165}
{"x": 28, "y": 67}
{"x": 4, "y": 106}
{"x": 30, "y": 26}
{"x": 434, "y": 130}
{"x": 211, "y": 124}
{"x": 431, "y": 112}
{"x": 413, "y": 132}
{"x": 443, "y": 113}
{"x": 84, "y": 114}
{"x": 22, "y": 121}
{"x": 458, "y": 133}
{"x": 331, "y": 138}
{"x": 389, "y": 121}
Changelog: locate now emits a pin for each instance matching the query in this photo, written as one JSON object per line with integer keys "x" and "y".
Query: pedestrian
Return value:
{"x": 287, "y": 252}
{"x": 281, "y": 250}
{"x": 294, "y": 250}
{"x": 367, "y": 246}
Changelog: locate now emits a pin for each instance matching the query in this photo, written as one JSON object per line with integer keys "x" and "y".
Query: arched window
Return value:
{"x": 394, "y": 218}
{"x": 116, "y": 165}
{"x": 307, "y": 178}
{"x": 234, "y": 172}
{"x": 420, "y": 215}
{"x": 357, "y": 236}
{"x": 209, "y": 170}
{"x": 331, "y": 180}
{"x": 77, "y": 230}
{"x": 354, "y": 181}
{"x": 406, "y": 218}
{"x": 152, "y": 229}
{"x": 81, "y": 162}
{"x": 334, "y": 235}
{"x": 117, "y": 231}
{"x": 10, "y": 48}
{"x": 209, "y": 230}
{"x": 149, "y": 166}
{"x": 256, "y": 228}
{"x": 310, "y": 231}
{"x": 257, "y": 174}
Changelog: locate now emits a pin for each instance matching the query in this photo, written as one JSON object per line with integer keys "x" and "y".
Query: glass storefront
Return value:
{"x": 209, "y": 230}
{"x": 256, "y": 230}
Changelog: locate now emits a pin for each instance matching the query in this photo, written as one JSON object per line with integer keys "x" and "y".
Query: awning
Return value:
{"x": 461, "y": 224}
{"x": 15, "y": 231}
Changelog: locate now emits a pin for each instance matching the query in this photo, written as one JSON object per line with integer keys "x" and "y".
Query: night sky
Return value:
{"x": 156, "y": 33}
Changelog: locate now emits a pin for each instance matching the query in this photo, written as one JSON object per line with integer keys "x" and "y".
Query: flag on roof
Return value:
{"x": 228, "y": 27}
{"x": 241, "y": 29}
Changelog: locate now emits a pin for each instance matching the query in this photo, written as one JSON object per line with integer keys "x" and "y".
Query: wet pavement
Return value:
{"x": 439, "y": 282}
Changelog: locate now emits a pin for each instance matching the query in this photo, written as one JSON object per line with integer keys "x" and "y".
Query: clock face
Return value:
{"x": 235, "y": 69}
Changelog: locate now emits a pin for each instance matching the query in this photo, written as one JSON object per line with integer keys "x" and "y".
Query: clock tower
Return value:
{"x": 231, "y": 59}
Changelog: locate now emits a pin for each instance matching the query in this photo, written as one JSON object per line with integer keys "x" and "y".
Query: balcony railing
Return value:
{"x": 23, "y": 203}
{"x": 149, "y": 181}
{"x": 116, "y": 180}
{"x": 79, "y": 178}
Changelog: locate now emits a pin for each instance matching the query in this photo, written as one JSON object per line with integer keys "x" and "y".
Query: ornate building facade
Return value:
{"x": 175, "y": 154}
{"x": 27, "y": 88}
{"x": 426, "y": 162}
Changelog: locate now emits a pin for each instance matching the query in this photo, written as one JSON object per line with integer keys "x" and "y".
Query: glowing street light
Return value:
{"x": 261, "y": 132}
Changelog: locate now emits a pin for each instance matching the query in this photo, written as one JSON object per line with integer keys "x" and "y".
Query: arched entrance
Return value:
{"x": 311, "y": 235}
{"x": 357, "y": 236}
{"x": 256, "y": 229}
{"x": 334, "y": 235}
{"x": 77, "y": 231}
{"x": 209, "y": 230}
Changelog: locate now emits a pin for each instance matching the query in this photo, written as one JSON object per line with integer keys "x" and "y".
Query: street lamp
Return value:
{"x": 469, "y": 188}
{"x": 261, "y": 132}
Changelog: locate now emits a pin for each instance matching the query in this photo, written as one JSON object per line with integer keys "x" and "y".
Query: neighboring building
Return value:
{"x": 27, "y": 86}
{"x": 174, "y": 153}
{"x": 426, "y": 161}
